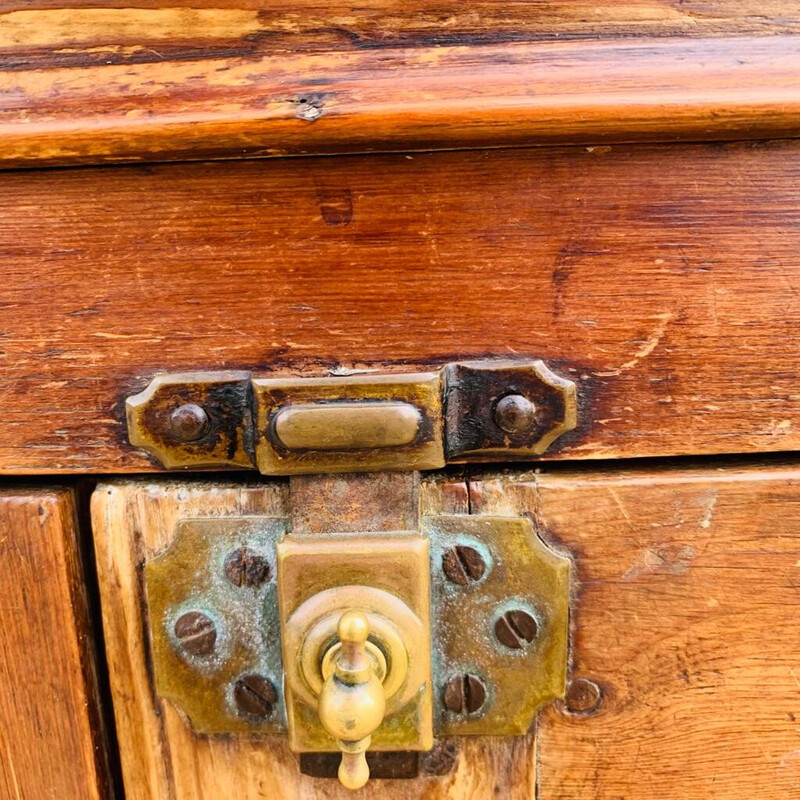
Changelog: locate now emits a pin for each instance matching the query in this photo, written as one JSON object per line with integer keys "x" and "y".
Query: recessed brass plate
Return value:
{"x": 364, "y": 423}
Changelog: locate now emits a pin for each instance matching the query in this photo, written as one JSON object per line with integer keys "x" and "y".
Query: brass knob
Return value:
{"x": 352, "y": 702}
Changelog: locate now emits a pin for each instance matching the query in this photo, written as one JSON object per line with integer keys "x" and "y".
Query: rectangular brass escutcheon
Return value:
{"x": 364, "y": 423}
{"x": 319, "y": 579}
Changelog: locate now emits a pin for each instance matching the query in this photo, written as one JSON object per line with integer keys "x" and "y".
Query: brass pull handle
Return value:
{"x": 352, "y": 702}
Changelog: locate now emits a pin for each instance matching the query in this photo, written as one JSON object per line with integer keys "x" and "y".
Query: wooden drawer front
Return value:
{"x": 664, "y": 280}
{"x": 52, "y": 742}
{"x": 683, "y": 615}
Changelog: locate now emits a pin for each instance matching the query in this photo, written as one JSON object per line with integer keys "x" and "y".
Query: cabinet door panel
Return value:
{"x": 51, "y": 733}
{"x": 685, "y": 613}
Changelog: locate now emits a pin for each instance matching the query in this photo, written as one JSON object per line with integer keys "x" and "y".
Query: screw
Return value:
{"x": 463, "y": 564}
{"x": 583, "y": 696}
{"x": 514, "y": 413}
{"x": 465, "y": 694}
{"x": 245, "y": 567}
{"x": 189, "y": 422}
{"x": 196, "y": 632}
{"x": 516, "y": 628}
{"x": 255, "y": 695}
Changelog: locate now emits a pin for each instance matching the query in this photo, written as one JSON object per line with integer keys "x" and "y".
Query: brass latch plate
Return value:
{"x": 225, "y": 627}
{"x": 287, "y": 426}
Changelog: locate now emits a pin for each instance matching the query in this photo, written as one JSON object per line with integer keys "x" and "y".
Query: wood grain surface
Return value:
{"x": 48, "y": 33}
{"x": 663, "y": 280}
{"x": 161, "y": 757}
{"x": 52, "y": 743}
{"x": 98, "y": 84}
{"x": 685, "y": 615}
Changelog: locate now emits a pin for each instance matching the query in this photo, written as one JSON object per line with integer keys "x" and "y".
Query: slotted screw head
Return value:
{"x": 196, "y": 633}
{"x": 189, "y": 422}
{"x": 514, "y": 413}
{"x": 465, "y": 694}
{"x": 255, "y": 695}
{"x": 463, "y": 564}
{"x": 246, "y": 568}
{"x": 516, "y": 628}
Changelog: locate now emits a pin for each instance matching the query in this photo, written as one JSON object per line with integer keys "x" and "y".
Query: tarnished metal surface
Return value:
{"x": 346, "y": 426}
{"x": 289, "y": 426}
{"x": 275, "y": 398}
{"x": 468, "y": 619}
{"x": 522, "y": 575}
{"x": 508, "y": 410}
{"x": 223, "y": 685}
{"x": 194, "y": 420}
{"x": 386, "y": 577}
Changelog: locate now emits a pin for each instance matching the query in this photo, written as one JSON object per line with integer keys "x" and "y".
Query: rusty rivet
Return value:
{"x": 516, "y": 628}
{"x": 255, "y": 695}
{"x": 245, "y": 567}
{"x": 465, "y": 694}
{"x": 514, "y": 413}
{"x": 463, "y": 564}
{"x": 189, "y": 422}
{"x": 583, "y": 696}
{"x": 196, "y": 633}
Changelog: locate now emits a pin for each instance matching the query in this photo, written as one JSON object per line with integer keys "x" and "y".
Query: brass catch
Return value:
{"x": 359, "y": 642}
{"x": 287, "y": 426}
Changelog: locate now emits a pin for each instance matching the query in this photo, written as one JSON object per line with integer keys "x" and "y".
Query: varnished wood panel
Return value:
{"x": 664, "y": 280}
{"x": 52, "y": 743}
{"x": 147, "y": 100}
{"x": 685, "y": 615}
{"x": 48, "y": 33}
{"x": 161, "y": 757}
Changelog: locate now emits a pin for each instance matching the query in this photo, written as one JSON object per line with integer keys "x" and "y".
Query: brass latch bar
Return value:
{"x": 489, "y": 410}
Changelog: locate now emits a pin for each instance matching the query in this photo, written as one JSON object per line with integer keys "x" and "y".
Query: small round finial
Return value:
{"x": 353, "y": 627}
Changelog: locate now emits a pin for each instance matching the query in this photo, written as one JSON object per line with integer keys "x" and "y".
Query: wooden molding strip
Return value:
{"x": 404, "y": 99}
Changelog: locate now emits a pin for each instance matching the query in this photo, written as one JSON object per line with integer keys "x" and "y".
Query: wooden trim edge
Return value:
{"x": 585, "y": 92}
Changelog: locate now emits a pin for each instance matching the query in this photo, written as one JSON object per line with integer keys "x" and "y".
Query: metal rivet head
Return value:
{"x": 255, "y": 695}
{"x": 246, "y": 568}
{"x": 583, "y": 696}
{"x": 463, "y": 564}
{"x": 189, "y": 422}
{"x": 514, "y": 413}
{"x": 465, "y": 694}
{"x": 196, "y": 633}
{"x": 516, "y": 628}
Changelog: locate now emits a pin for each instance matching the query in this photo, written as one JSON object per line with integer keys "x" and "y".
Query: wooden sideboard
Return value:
{"x": 326, "y": 190}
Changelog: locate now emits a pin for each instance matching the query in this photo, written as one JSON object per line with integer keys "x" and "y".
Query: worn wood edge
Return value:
{"x": 573, "y": 92}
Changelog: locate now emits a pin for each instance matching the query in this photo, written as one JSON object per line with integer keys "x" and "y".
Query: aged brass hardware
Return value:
{"x": 358, "y": 423}
{"x": 346, "y": 426}
{"x": 362, "y": 641}
{"x": 387, "y": 578}
{"x": 352, "y": 702}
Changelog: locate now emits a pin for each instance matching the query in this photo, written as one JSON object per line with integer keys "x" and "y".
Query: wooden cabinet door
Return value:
{"x": 52, "y": 742}
{"x": 683, "y": 621}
